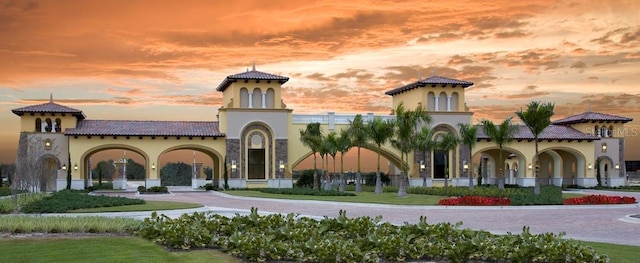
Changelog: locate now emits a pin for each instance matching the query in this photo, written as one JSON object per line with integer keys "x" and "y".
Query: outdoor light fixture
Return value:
{"x": 422, "y": 166}
{"x": 465, "y": 165}
{"x": 604, "y": 147}
{"x": 47, "y": 144}
{"x": 64, "y": 167}
{"x": 589, "y": 166}
{"x": 153, "y": 166}
{"x": 617, "y": 166}
{"x": 281, "y": 165}
{"x": 75, "y": 167}
{"x": 233, "y": 165}
{"x": 530, "y": 167}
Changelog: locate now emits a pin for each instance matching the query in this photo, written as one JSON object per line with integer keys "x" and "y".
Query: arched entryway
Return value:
{"x": 604, "y": 167}
{"x": 47, "y": 168}
{"x": 189, "y": 165}
{"x": 116, "y": 164}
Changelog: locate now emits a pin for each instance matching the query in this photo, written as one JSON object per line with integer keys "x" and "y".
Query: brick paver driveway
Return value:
{"x": 602, "y": 223}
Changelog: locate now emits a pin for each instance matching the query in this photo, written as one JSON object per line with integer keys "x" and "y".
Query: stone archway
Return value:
{"x": 46, "y": 170}
{"x": 604, "y": 167}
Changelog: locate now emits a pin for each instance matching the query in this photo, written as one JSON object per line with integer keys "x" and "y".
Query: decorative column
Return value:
{"x": 264, "y": 100}
{"x": 250, "y": 99}
{"x": 437, "y": 106}
{"x": 448, "y": 103}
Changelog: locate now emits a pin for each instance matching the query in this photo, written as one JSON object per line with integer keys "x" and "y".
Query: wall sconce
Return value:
{"x": 233, "y": 166}
{"x": 530, "y": 167}
{"x": 589, "y": 166}
{"x": 422, "y": 166}
{"x": 47, "y": 144}
{"x": 153, "y": 166}
{"x": 64, "y": 167}
{"x": 617, "y": 166}
{"x": 465, "y": 165}
{"x": 281, "y": 165}
{"x": 604, "y": 147}
{"x": 75, "y": 167}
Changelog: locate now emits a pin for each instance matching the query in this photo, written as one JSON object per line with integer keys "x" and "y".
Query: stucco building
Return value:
{"x": 258, "y": 138}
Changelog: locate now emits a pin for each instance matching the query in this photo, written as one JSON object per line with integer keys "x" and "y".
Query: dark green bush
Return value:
{"x": 153, "y": 189}
{"x": 303, "y": 191}
{"x": 289, "y": 238}
{"x": 66, "y": 200}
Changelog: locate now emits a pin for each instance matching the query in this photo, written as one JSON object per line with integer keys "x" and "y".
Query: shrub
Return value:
{"x": 281, "y": 238}
{"x": 153, "y": 190}
{"x": 599, "y": 200}
{"x": 66, "y": 200}
{"x": 304, "y": 191}
{"x": 475, "y": 201}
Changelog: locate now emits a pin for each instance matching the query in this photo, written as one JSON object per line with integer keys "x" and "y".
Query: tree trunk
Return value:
{"x": 536, "y": 188}
{"x": 378, "y": 179}
{"x": 402, "y": 191}
{"x": 470, "y": 169}
{"x": 341, "y": 188}
{"x": 358, "y": 175}
{"x": 500, "y": 171}
{"x": 315, "y": 173}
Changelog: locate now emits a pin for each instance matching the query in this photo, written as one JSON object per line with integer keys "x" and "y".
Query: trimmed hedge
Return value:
{"x": 304, "y": 191}
{"x": 66, "y": 200}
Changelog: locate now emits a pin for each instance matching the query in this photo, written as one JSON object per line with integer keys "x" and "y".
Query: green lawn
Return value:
{"x": 149, "y": 206}
{"x": 132, "y": 249}
{"x": 362, "y": 197}
{"x": 99, "y": 249}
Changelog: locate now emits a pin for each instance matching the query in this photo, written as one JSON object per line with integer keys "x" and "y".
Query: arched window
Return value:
{"x": 597, "y": 129}
{"x": 257, "y": 98}
{"x": 442, "y": 101}
{"x": 611, "y": 131}
{"x": 454, "y": 102}
{"x": 39, "y": 125}
{"x": 604, "y": 132}
{"x": 58, "y": 125}
{"x": 271, "y": 98}
{"x": 244, "y": 98}
{"x": 431, "y": 101}
{"x": 48, "y": 127}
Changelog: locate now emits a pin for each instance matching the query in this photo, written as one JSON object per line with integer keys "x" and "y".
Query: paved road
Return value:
{"x": 601, "y": 223}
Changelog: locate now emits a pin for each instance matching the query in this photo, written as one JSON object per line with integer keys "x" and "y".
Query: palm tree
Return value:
{"x": 343, "y": 144}
{"x": 312, "y": 138}
{"x": 405, "y": 137}
{"x": 501, "y": 135}
{"x": 468, "y": 137}
{"x": 331, "y": 144}
{"x": 446, "y": 143}
{"x": 537, "y": 117}
{"x": 359, "y": 138}
{"x": 379, "y": 131}
{"x": 425, "y": 144}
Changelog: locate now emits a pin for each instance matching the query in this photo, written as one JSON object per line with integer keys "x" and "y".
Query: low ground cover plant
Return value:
{"x": 22, "y": 224}
{"x": 65, "y": 200}
{"x": 599, "y": 200}
{"x": 304, "y": 191}
{"x": 288, "y": 237}
{"x": 153, "y": 190}
{"x": 476, "y": 201}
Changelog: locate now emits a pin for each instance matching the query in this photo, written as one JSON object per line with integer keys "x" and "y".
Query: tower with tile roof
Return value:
{"x": 43, "y": 148}
{"x": 255, "y": 121}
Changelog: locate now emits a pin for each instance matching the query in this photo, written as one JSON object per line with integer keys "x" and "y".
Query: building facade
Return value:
{"x": 257, "y": 138}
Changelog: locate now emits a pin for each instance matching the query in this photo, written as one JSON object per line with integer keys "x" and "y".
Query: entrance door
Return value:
{"x": 256, "y": 164}
{"x": 439, "y": 164}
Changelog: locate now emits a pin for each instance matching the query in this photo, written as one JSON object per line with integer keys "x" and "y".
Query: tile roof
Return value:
{"x": 592, "y": 117}
{"x": 145, "y": 128}
{"x": 433, "y": 81}
{"x": 49, "y": 107}
{"x": 250, "y": 75}
{"x": 553, "y": 132}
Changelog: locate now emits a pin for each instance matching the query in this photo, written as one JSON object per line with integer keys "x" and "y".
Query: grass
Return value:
{"x": 362, "y": 197}
{"x": 134, "y": 249}
{"x": 107, "y": 249}
{"x": 616, "y": 253}
{"x": 149, "y": 206}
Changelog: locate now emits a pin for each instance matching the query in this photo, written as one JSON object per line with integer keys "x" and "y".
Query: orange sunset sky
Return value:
{"x": 161, "y": 60}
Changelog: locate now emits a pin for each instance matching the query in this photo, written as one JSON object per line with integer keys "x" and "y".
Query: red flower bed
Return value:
{"x": 599, "y": 200}
{"x": 475, "y": 201}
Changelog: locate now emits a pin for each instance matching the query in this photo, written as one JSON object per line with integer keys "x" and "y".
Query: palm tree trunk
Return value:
{"x": 315, "y": 173}
{"x": 378, "y": 179}
{"x": 470, "y": 169}
{"x": 424, "y": 173}
{"x": 402, "y": 191}
{"x": 536, "y": 188}
{"x": 341, "y": 188}
{"x": 500, "y": 172}
{"x": 358, "y": 175}
{"x": 446, "y": 170}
